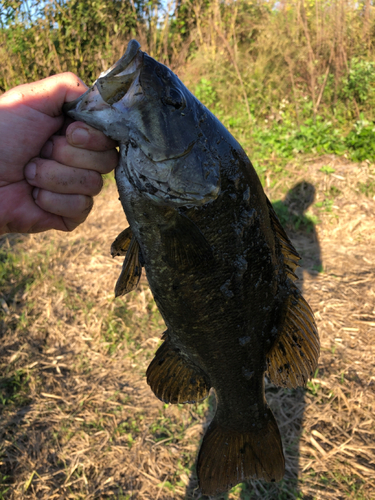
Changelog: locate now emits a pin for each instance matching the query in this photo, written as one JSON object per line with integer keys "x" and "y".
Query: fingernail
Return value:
{"x": 47, "y": 150}
{"x": 35, "y": 193}
{"x": 30, "y": 171}
{"x": 79, "y": 137}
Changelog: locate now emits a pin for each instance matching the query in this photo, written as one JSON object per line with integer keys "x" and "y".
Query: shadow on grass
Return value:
{"x": 300, "y": 224}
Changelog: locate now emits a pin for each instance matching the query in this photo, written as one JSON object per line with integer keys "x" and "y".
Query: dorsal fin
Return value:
{"x": 291, "y": 256}
{"x": 294, "y": 357}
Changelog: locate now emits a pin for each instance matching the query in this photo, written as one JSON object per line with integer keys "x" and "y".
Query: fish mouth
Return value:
{"x": 112, "y": 85}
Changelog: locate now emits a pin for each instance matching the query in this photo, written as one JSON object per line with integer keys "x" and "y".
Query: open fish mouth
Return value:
{"x": 112, "y": 85}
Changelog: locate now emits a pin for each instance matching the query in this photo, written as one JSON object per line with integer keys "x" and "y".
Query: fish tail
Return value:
{"x": 228, "y": 457}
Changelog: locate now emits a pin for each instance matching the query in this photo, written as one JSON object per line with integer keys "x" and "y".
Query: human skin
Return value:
{"x": 50, "y": 168}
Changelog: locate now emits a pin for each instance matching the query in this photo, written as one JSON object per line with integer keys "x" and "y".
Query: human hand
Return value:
{"x": 48, "y": 180}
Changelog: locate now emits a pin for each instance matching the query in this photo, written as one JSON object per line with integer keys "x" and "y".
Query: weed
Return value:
{"x": 326, "y": 204}
{"x": 318, "y": 268}
{"x": 327, "y": 169}
{"x": 294, "y": 221}
{"x": 122, "y": 496}
{"x": 4, "y": 488}
{"x": 361, "y": 141}
{"x": 334, "y": 191}
{"x": 14, "y": 389}
{"x": 360, "y": 81}
{"x": 313, "y": 387}
{"x": 205, "y": 92}
{"x": 367, "y": 188}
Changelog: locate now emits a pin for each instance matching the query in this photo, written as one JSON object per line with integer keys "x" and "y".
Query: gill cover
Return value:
{"x": 144, "y": 106}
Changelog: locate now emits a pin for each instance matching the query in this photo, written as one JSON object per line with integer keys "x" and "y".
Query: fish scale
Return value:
{"x": 218, "y": 262}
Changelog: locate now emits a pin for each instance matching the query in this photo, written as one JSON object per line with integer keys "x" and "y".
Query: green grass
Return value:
{"x": 367, "y": 188}
{"x": 271, "y": 144}
{"x": 14, "y": 388}
{"x": 327, "y": 169}
{"x": 303, "y": 222}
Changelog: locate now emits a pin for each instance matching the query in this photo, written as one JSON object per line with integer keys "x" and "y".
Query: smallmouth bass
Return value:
{"x": 219, "y": 264}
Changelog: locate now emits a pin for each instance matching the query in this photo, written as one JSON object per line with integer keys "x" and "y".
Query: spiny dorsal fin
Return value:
{"x": 291, "y": 256}
{"x": 228, "y": 457}
{"x": 131, "y": 269}
{"x": 294, "y": 357}
{"x": 173, "y": 379}
{"x": 121, "y": 244}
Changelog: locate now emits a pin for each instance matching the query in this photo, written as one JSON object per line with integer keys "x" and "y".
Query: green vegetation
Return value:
{"x": 286, "y": 78}
{"x": 294, "y": 222}
{"x": 14, "y": 388}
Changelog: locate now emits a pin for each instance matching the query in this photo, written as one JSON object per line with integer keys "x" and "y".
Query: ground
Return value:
{"x": 78, "y": 418}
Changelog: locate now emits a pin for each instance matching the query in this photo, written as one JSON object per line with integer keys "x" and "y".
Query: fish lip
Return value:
{"x": 131, "y": 51}
{"x": 72, "y": 105}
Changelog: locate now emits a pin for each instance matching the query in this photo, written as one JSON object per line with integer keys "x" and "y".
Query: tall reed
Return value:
{"x": 308, "y": 54}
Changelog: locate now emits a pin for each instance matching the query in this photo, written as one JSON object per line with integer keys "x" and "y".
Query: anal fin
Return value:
{"x": 174, "y": 379}
{"x": 228, "y": 456}
{"x": 294, "y": 357}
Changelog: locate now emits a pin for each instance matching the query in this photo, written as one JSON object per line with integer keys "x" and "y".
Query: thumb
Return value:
{"x": 47, "y": 95}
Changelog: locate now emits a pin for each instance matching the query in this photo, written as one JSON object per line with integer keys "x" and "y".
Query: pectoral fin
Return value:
{"x": 294, "y": 357}
{"x": 121, "y": 244}
{"x": 184, "y": 243}
{"x": 173, "y": 378}
{"x": 126, "y": 244}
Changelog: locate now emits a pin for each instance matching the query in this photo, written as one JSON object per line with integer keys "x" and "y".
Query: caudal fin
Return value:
{"x": 228, "y": 457}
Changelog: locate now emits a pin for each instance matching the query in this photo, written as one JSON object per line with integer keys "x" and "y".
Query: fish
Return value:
{"x": 218, "y": 262}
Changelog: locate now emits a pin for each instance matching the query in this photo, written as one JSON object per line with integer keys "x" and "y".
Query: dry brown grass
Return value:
{"x": 78, "y": 419}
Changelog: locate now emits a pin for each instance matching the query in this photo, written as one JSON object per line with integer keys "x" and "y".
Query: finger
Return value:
{"x": 52, "y": 176}
{"x": 58, "y": 149}
{"x": 74, "y": 208}
{"x": 48, "y": 95}
{"x": 80, "y": 135}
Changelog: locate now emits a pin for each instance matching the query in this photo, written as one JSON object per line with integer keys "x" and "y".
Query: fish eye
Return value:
{"x": 174, "y": 97}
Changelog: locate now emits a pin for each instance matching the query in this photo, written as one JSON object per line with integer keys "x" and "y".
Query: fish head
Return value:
{"x": 144, "y": 106}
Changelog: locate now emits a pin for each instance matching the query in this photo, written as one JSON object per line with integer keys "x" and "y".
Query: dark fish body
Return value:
{"x": 218, "y": 263}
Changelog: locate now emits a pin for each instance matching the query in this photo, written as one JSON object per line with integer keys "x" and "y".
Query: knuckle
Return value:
{"x": 59, "y": 151}
{"x": 89, "y": 203}
{"x": 90, "y": 182}
{"x": 97, "y": 183}
{"x": 71, "y": 78}
{"x": 111, "y": 161}
{"x": 70, "y": 224}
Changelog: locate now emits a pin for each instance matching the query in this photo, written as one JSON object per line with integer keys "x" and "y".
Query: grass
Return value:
{"x": 78, "y": 419}
{"x": 367, "y": 188}
{"x": 14, "y": 389}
